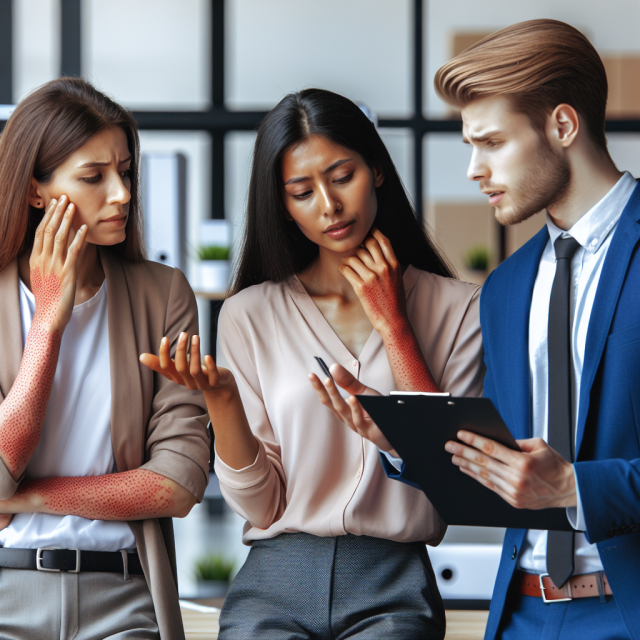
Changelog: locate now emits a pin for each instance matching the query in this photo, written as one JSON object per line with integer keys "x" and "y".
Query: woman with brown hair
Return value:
{"x": 96, "y": 453}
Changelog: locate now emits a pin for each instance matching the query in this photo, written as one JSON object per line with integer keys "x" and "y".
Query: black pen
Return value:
{"x": 323, "y": 366}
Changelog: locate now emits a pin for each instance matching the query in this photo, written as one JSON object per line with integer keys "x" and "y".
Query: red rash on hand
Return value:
{"x": 408, "y": 365}
{"x": 116, "y": 496}
{"x": 23, "y": 411}
{"x": 47, "y": 292}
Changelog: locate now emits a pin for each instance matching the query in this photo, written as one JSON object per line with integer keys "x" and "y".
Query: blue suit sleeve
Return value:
{"x": 610, "y": 492}
{"x": 394, "y": 474}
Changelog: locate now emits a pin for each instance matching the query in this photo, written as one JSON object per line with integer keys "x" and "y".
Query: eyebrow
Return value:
{"x": 480, "y": 137}
{"x": 335, "y": 165}
{"x": 89, "y": 165}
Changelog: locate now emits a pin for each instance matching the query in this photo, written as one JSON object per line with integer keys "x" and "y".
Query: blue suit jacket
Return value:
{"x": 608, "y": 433}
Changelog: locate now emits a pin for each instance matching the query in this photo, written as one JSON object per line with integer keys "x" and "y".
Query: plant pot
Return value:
{"x": 213, "y": 275}
{"x": 212, "y": 588}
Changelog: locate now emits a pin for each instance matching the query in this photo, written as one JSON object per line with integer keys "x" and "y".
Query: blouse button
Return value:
{"x": 354, "y": 363}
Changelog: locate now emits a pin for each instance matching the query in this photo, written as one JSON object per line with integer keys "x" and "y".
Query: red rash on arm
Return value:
{"x": 409, "y": 368}
{"x": 23, "y": 411}
{"x": 128, "y": 495}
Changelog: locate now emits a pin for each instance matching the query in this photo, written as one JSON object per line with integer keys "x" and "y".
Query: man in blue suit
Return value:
{"x": 561, "y": 328}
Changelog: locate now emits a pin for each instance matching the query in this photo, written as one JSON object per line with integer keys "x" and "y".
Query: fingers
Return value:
{"x": 330, "y": 397}
{"x": 385, "y": 247}
{"x": 367, "y": 428}
{"x": 74, "y": 249}
{"x": 164, "y": 354}
{"x": 199, "y": 372}
{"x": 212, "y": 371}
{"x": 51, "y": 228}
{"x": 346, "y": 380}
{"x": 358, "y": 415}
{"x": 63, "y": 234}
{"x": 352, "y": 277}
{"x": 182, "y": 363}
{"x": 189, "y": 372}
{"x": 489, "y": 447}
{"x": 39, "y": 236}
{"x": 154, "y": 363}
{"x": 374, "y": 250}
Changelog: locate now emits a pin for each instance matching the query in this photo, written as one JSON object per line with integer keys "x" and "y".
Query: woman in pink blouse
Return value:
{"x": 338, "y": 549}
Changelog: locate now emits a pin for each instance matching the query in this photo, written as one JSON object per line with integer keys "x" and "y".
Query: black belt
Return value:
{"x": 71, "y": 560}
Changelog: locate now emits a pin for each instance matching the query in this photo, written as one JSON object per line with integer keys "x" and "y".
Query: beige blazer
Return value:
{"x": 155, "y": 424}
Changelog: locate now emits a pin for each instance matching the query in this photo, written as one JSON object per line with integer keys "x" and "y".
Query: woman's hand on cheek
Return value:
{"x": 376, "y": 276}
{"x": 190, "y": 372}
{"x": 52, "y": 265}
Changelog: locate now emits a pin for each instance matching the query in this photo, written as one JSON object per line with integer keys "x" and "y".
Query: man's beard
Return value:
{"x": 547, "y": 184}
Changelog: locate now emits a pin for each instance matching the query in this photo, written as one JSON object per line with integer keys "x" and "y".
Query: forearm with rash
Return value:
{"x": 23, "y": 411}
{"x": 128, "y": 495}
{"x": 409, "y": 368}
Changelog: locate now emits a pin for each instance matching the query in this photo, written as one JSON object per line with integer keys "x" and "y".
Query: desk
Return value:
{"x": 461, "y": 625}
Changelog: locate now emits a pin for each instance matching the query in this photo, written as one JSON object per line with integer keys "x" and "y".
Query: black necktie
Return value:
{"x": 560, "y": 543}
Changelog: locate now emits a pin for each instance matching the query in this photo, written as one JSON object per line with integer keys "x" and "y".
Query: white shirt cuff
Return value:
{"x": 396, "y": 463}
{"x": 574, "y": 514}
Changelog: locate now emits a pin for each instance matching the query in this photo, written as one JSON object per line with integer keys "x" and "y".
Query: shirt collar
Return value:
{"x": 595, "y": 225}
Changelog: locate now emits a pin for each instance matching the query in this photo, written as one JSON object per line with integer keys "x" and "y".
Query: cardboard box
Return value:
{"x": 623, "y": 76}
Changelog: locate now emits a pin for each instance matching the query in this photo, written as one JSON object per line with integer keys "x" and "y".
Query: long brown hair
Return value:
{"x": 538, "y": 64}
{"x": 45, "y": 129}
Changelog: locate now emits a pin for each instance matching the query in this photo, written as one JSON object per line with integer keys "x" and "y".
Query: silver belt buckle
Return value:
{"x": 542, "y": 590}
{"x": 41, "y": 550}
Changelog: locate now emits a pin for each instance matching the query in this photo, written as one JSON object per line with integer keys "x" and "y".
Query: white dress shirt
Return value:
{"x": 76, "y": 436}
{"x": 594, "y": 232}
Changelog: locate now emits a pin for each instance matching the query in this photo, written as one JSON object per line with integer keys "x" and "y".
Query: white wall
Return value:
{"x": 148, "y": 53}
{"x": 36, "y": 44}
{"x": 360, "y": 48}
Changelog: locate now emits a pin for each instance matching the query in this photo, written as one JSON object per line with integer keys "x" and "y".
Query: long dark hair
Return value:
{"x": 45, "y": 129}
{"x": 273, "y": 248}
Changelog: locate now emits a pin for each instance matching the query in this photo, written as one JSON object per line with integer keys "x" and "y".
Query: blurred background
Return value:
{"x": 199, "y": 76}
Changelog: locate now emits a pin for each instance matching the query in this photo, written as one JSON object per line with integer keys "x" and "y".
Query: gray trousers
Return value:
{"x": 81, "y": 606}
{"x": 302, "y": 587}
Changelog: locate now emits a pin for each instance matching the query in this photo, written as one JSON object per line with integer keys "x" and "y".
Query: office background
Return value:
{"x": 200, "y": 74}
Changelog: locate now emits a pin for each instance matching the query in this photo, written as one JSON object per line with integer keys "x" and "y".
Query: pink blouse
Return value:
{"x": 312, "y": 473}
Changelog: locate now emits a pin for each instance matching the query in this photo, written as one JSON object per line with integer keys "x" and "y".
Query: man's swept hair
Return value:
{"x": 538, "y": 64}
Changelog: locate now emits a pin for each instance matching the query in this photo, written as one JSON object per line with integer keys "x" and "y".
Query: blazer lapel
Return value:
{"x": 10, "y": 327}
{"x": 127, "y": 434}
{"x": 517, "y": 333}
{"x": 615, "y": 266}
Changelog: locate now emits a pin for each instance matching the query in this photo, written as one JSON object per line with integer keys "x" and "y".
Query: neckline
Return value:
{"x": 321, "y": 326}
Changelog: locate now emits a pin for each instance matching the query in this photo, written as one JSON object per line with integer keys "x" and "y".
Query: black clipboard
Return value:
{"x": 418, "y": 428}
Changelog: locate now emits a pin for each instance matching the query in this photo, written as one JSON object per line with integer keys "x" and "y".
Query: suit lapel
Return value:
{"x": 517, "y": 333}
{"x": 615, "y": 266}
{"x": 10, "y": 327}
{"x": 126, "y": 386}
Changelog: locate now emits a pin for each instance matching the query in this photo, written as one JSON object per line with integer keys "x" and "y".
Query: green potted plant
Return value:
{"x": 213, "y": 572}
{"x": 477, "y": 258}
{"x": 214, "y": 267}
